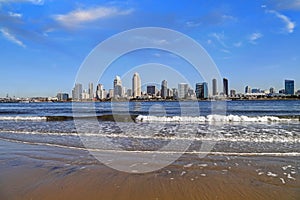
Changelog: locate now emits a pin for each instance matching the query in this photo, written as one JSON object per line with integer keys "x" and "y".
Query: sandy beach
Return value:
{"x": 44, "y": 172}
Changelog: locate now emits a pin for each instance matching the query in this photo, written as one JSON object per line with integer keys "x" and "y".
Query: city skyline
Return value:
{"x": 47, "y": 53}
{"x": 203, "y": 90}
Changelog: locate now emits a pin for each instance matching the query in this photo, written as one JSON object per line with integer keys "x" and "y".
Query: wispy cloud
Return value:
{"x": 254, "y": 37}
{"x": 37, "y": 2}
{"x": 289, "y": 25}
{"x": 11, "y": 37}
{"x": 284, "y": 5}
{"x": 238, "y": 44}
{"x": 220, "y": 37}
{"x": 214, "y": 18}
{"x": 79, "y": 16}
{"x": 17, "y": 15}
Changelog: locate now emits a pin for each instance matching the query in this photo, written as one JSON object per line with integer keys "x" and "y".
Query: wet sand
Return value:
{"x": 44, "y": 172}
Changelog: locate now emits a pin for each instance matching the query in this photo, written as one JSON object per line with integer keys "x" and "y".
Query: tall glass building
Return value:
{"x": 289, "y": 87}
{"x": 201, "y": 90}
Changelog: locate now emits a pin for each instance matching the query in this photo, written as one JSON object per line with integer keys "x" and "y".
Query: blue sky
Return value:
{"x": 44, "y": 42}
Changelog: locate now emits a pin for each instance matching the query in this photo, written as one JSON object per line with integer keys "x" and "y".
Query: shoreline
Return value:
{"x": 163, "y": 100}
{"x": 43, "y": 172}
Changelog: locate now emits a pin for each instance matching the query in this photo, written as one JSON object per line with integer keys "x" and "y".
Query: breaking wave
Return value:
{"x": 216, "y": 118}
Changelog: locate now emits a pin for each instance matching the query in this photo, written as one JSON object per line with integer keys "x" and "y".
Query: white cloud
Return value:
{"x": 238, "y": 44}
{"x": 37, "y": 2}
{"x": 285, "y": 5}
{"x": 79, "y": 16}
{"x": 11, "y": 37}
{"x": 220, "y": 37}
{"x": 17, "y": 15}
{"x": 289, "y": 25}
{"x": 254, "y": 37}
{"x": 225, "y": 51}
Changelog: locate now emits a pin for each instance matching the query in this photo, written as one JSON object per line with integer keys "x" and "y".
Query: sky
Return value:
{"x": 43, "y": 43}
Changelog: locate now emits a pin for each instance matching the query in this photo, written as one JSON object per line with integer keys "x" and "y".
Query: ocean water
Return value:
{"x": 237, "y": 127}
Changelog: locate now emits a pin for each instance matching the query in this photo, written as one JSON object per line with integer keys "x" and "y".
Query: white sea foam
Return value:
{"x": 162, "y": 152}
{"x": 22, "y": 118}
{"x": 211, "y": 118}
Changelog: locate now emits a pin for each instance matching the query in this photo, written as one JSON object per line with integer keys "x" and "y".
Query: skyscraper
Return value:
{"x": 100, "y": 92}
{"x": 91, "y": 91}
{"x": 225, "y": 86}
{"x": 175, "y": 93}
{"x": 214, "y": 87}
{"x": 247, "y": 89}
{"x": 77, "y": 92}
{"x": 164, "y": 89}
{"x": 118, "y": 90}
{"x": 151, "y": 89}
{"x": 201, "y": 90}
{"x": 182, "y": 90}
{"x": 289, "y": 87}
{"x": 117, "y": 81}
{"x": 136, "y": 85}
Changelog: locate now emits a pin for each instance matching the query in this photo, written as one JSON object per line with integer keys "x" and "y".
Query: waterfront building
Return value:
{"x": 100, "y": 92}
{"x": 164, "y": 89}
{"x": 282, "y": 91}
{"x": 91, "y": 91}
{"x": 136, "y": 85}
{"x": 118, "y": 90}
{"x": 77, "y": 92}
{"x": 247, "y": 90}
{"x": 62, "y": 96}
{"x": 151, "y": 89}
{"x": 175, "y": 93}
{"x": 232, "y": 93}
{"x": 255, "y": 90}
{"x": 201, "y": 90}
{"x": 182, "y": 90}
{"x": 85, "y": 95}
{"x": 225, "y": 86}
{"x": 214, "y": 87}
{"x": 289, "y": 86}
{"x": 170, "y": 92}
{"x": 272, "y": 90}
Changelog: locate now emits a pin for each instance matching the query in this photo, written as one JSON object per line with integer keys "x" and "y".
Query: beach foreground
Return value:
{"x": 46, "y": 172}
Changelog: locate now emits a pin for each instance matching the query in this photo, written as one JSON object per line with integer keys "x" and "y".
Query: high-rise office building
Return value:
{"x": 118, "y": 90}
{"x": 91, "y": 91}
{"x": 117, "y": 81}
{"x": 62, "y": 96}
{"x": 100, "y": 92}
{"x": 136, "y": 85}
{"x": 225, "y": 86}
{"x": 272, "y": 90}
{"x": 182, "y": 90}
{"x": 77, "y": 92}
{"x": 247, "y": 90}
{"x": 170, "y": 92}
{"x": 175, "y": 93}
{"x": 289, "y": 87}
{"x": 164, "y": 89}
{"x": 201, "y": 90}
{"x": 214, "y": 87}
{"x": 151, "y": 90}
{"x": 255, "y": 90}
